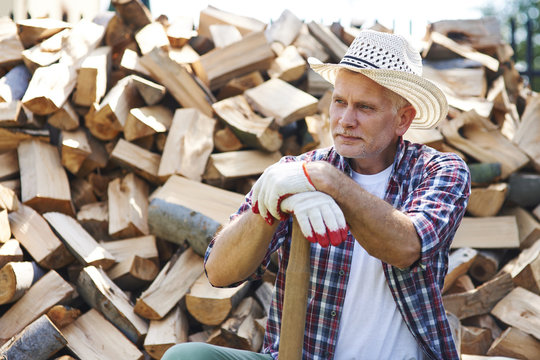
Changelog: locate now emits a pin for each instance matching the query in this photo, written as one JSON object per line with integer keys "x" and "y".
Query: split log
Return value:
{"x": 5, "y": 232}
{"x": 264, "y": 295}
{"x": 62, "y": 315}
{"x": 10, "y": 251}
{"x": 480, "y": 300}
{"x": 482, "y": 34}
{"x": 75, "y": 149}
{"x": 10, "y": 43}
{"x": 64, "y": 118}
{"x": 131, "y": 62}
{"x": 142, "y": 246}
{"x": 137, "y": 159}
{"x": 16, "y": 278}
{"x": 176, "y": 212}
{"x": 188, "y": 145}
{"x": 212, "y": 15}
{"x": 225, "y": 140}
{"x": 180, "y": 31}
{"x": 34, "y": 31}
{"x": 210, "y": 305}
{"x": 12, "y": 114}
{"x": 98, "y": 290}
{"x": 128, "y": 207}
{"x": 162, "y": 334}
{"x": 79, "y": 242}
{"x": 151, "y": 92}
{"x": 482, "y": 174}
{"x": 524, "y": 189}
{"x": 133, "y": 273}
{"x": 170, "y": 286}
{"x": 288, "y": 66}
{"x": 516, "y": 344}
{"x": 486, "y": 264}
{"x": 217, "y": 67}
{"x": 487, "y": 201}
{"x": 44, "y": 181}
{"x": 308, "y": 46}
{"x": 459, "y": 263}
{"x": 92, "y": 77}
{"x": 94, "y": 218}
{"x": 180, "y": 83}
{"x": 240, "y": 330}
{"x": 336, "y": 48}
{"x": 11, "y": 138}
{"x": 184, "y": 56}
{"x": 151, "y": 36}
{"x": 475, "y": 340}
{"x": 46, "y": 52}
{"x": 34, "y": 234}
{"x": 238, "y": 85}
{"x": 318, "y": 134}
{"x": 133, "y": 13}
{"x": 528, "y": 226}
{"x": 520, "y": 309}
{"x": 250, "y": 128}
{"x": 13, "y": 85}
{"x": 98, "y": 157}
{"x": 524, "y": 268}
{"x": 92, "y": 337}
{"x": 230, "y": 165}
{"x": 485, "y": 321}
{"x": 285, "y": 29}
{"x": 223, "y": 35}
{"x": 48, "y": 291}
{"x": 429, "y": 137}
{"x": 39, "y": 341}
{"x": 82, "y": 193}
{"x": 282, "y": 101}
{"x": 9, "y": 165}
{"x": 487, "y": 233}
{"x": 146, "y": 121}
{"x": 458, "y": 81}
{"x": 8, "y": 199}
{"x": 461, "y": 284}
{"x": 526, "y": 136}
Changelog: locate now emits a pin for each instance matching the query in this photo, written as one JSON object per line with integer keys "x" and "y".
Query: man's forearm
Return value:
{"x": 239, "y": 249}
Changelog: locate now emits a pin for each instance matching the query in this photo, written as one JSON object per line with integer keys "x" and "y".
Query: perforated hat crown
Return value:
{"x": 391, "y": 61}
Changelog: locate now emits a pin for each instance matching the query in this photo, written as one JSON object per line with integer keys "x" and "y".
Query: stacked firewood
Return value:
{"x": 126, "y": 142}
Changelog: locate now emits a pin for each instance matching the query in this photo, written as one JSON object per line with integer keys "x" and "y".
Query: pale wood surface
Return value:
{"x": 16, "y": 278}
{"x": 521, "y": 309}
{"x": 33, "y": 31}
{"x": 289, "y": 65}
{"x": 223, "y": 35}
{"x": 151, "y": 36}
{"x": 487, "y": 233}
{"x": 9, "y": 165}
{"x": 237, "y": 164}
{"x": 92, "y": 77}
{"x": 528, "y": 226}
{"x": 459, "y": 263}
{"x": 285, "y": 29}
{"x": 527, "y": 136}
{"x": 487, "y": 201}
{"x": 10, "y": 251}
{"x": 75, "y": 149}
{"x": 212, "y": 15}
{"x": 151, "y": 92}
{"x": 516, "y": 344}
{"x": 163, "y": 334}
{"x": 10, "y": 42}
{"x": 64, "y": 118}
{"x": 143, "y": 246}
{"x": 143, "y": 162}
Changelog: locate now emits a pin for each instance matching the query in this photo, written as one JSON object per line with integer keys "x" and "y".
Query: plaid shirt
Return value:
{"x": 432, "y": 188}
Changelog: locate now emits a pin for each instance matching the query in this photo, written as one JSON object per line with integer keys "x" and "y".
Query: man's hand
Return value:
{"x": 320, "y": 218}
{"x": 278, "y": 182}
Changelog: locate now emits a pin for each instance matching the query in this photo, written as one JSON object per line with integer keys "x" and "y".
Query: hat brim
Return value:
{"x": 428, "y": 100}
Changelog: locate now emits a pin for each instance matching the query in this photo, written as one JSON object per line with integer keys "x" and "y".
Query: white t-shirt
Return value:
{"x": 371, "y": 326}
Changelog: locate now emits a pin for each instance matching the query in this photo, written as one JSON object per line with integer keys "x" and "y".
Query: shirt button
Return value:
{"x": 341, "y": 272}
{"x": 333, "y": 313}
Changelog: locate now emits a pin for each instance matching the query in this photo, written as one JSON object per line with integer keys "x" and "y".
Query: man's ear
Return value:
{"x": 405, "y": 117}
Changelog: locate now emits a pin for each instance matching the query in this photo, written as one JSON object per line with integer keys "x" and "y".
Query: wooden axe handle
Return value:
{"x": 293, "y": 319}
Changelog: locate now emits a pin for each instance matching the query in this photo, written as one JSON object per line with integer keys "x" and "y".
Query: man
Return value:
{"x": 381, "y": 212}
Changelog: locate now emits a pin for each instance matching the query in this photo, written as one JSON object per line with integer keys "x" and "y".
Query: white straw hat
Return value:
{"x": 391, "y": 61}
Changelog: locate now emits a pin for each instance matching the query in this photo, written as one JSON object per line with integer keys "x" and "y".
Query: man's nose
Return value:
{"x": 348, "y": 118}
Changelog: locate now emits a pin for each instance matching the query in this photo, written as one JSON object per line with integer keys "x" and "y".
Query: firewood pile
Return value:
{"x": 126, "y": 142}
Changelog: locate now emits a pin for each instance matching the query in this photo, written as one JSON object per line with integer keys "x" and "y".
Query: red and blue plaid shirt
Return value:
{"x": 432, "y": 188}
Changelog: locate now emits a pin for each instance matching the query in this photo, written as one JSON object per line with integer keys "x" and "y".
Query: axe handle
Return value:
{"x": 293, "y": 319}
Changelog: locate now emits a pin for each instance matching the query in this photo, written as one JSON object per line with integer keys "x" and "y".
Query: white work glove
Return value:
{"x": 320, "y": 218}
{"x": 276, "y": 183}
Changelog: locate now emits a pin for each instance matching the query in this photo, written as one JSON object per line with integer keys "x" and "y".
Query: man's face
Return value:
{"x": 364, "y": 125}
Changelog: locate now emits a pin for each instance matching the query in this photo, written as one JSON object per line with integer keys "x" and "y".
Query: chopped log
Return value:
{"x": 212, "y": 15}
{"x": 516, "y": 344}
{"x": 62, "y": 315}
{"x": 225, "y": 140}
{"x": 151, "y": 36}
{"x": 94, "y": 218}
{"x": 146, "y": 121}
{"x": 184, "y": 56}
{"x": 16, "y": 278}
{"x": 142, "y": 246}
{"x": 485, "y": 321}
{"x": 64, "y": 118}
{"x": 34, "y": 234}
{"x": 48, "y": 291}
{"x": 75, "y": 149}
{"x": 101, "y": 293}
{"x": 111, "y": 114}
{"x": 487, "y": 233}
{"x": 34, "y": 31}
{"x": 528, "y": 226}
{"x": 151, "y": 92}
{"x": 92, "y": 77}
{"x": 188, "y": 145}
{"x": 180, "y": 31}
{"x": 133, "y": 13}
{"x": 8, "y": 199}
{"x": 163, "y": 334}
{"x": 210, "y": 305}
{"x": 522, "y": 267}
{"x": 131, "y": 62}
{"x": 487, "y": 201}
{"x": 92, "y": 337}
{"x": 224, "y": 35}
{"x": 79, "y": 242}
{"x": 459, "y": 82}
{"x": 133, "y": 273}
{"x": 98, "y": 157}
{"x": 268, "y": 97}
{"x": 180, "y": 83}
{"x": 40, "y": 340}
{"x": 318, "y": 133}
{"x": 520, "y": 309}
{"x": 176, "y": 212}
{"x": 486, "y": 264}
{"x": 9, "y": 165}
{"x": 336, "y": 48}
{"x": 11, "y": 138}
{"x": 285, "y": 29}
{"x": 264, "y": 295}
{"x": 524, "y": 189}
{"x": 240, "y": 84}
{"x": 128, "y": 207}
{"x": 231, "y": 165}
{"x": 217, "y": 67}
{"x": 82, "y": 193}
{"x": 240, "y": 330}
{"x": 10, "y": 251}
{"x": 526, "y": 136}
{"x": 459, "y": 263}
{"x": 461, "y": 284}
{"x": 5, "y": 232}
{"x": 10, "y": 43}
{"x": 250, "y": 128}
{"x": 308, "y": 46}
{"x": 201, "y": 336}
{"x": 13, "y": 85}
{"x": 170, "y": 286}
{"x": 481, "y": 34}
{"x": 475, "y": 340}
{"x": 483, "y": 141}
{"x": 288, "y": 66}
{"x": 46, "y": 52}
{"x": 480, "y": 300}
{"x": 12, "y": 114}
{"x": 137, "y": 159}
{"x": 429, "y": 137}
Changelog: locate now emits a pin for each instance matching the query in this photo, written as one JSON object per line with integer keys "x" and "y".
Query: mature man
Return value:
{"x": 381, "y": 213}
